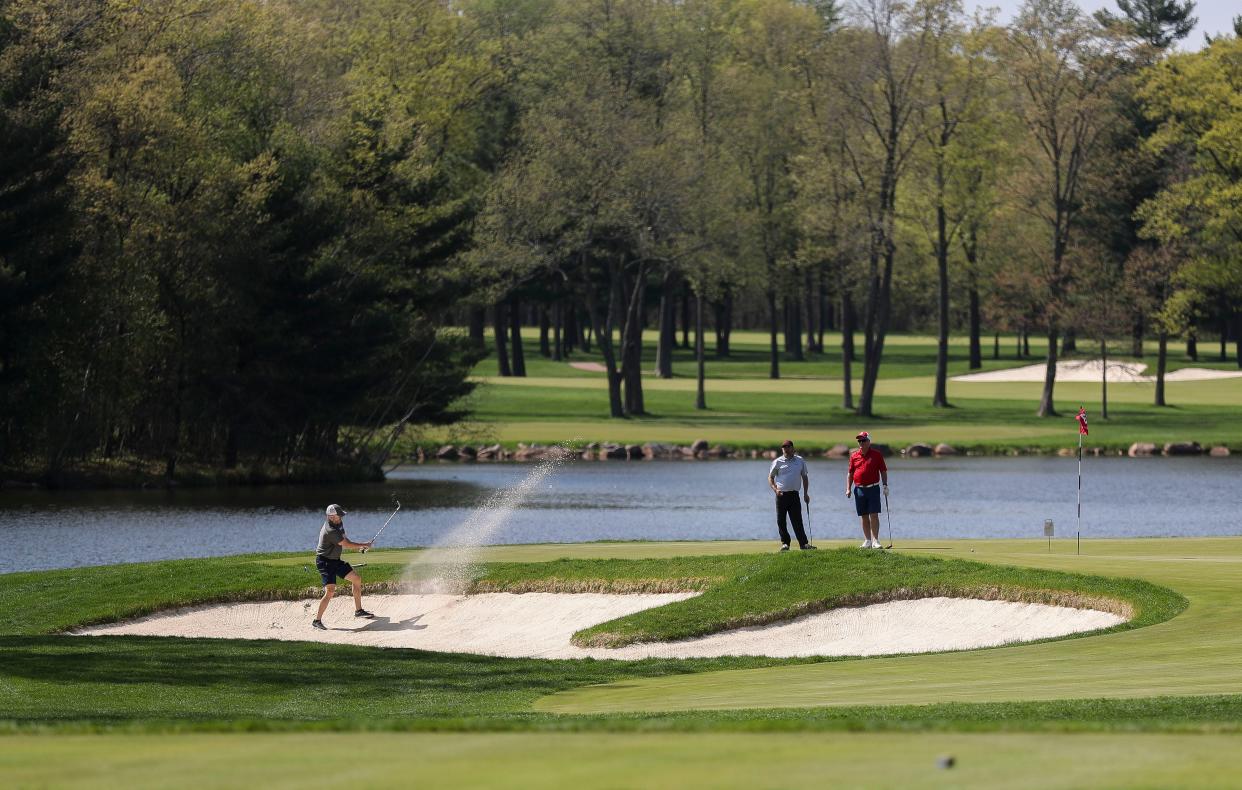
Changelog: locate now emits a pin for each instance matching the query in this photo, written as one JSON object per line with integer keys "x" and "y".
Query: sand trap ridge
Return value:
{"x": 540, "y": 625}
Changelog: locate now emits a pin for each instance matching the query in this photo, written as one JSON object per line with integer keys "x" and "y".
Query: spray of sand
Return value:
{"x": 451, "y": 564}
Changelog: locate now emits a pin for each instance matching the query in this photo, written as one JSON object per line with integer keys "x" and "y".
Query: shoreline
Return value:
{"x": 134, "y": 477}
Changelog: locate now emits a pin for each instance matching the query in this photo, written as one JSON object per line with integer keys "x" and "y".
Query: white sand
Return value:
{"x": 594, "y": 367}
{"x": 540, "y": 625}
{"x": 1089, "y": 370}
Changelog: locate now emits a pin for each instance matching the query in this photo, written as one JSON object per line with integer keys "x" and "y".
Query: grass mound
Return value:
{"x": 771, "y": 588}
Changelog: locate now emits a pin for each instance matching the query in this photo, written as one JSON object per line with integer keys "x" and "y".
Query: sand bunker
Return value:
{"x": 593, "y": 367}
{"x": 539, "y": 625}
{"x": 1090, "y": 370}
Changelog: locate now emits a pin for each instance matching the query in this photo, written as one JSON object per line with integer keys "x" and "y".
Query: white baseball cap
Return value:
{"x": 335, "y": 510}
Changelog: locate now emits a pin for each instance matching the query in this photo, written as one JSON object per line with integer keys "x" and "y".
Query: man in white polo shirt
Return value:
{"x": 787, "y": 474}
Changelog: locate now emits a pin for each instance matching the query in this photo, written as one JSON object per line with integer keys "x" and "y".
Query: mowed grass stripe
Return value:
{"x": 1194, "y": 653}
{"x": 534, "y": 760}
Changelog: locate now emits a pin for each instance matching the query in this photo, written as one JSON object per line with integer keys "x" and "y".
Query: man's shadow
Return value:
{"x": 388, "y": 624}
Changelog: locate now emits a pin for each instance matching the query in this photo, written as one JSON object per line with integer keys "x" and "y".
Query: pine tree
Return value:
{"x": 1160, "y": 23}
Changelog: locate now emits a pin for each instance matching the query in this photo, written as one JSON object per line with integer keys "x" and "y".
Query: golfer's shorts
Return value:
{"x": 331, "y": 570}
{"x": 866, "y": 500}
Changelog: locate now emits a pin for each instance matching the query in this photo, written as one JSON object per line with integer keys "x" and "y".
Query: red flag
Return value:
{"x": 1082, "y": 420}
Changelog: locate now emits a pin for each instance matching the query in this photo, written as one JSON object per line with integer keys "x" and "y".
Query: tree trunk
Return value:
{"x": 571, "y": 330}
{"x": 724, "y": 324}
{"x": 700, "y": 354}
{"x": 808, "y": 298}
{"x": 1161, "y": 360}
{"x": 940, "y": 399}
{"x": 1104, "y": 379}
{"x": 668, "y": 328}
{"x": 685, "y": 315}
{"x": 996, "y": 345}
{"x": 545, "y": 329}
{"x": 825, "y": 308}
{"x": 515, "y": 338}
{"x": 1069, "y": 342}
{"x": 478, "y": 333}
{"x": 976, "y": 329}
{"x": 1026, "y": 342}
{"x": 558, "y": 318}
{"x": 774, "y": 369}
{"x": 1046, "y": 406}
{"x": 849, "y": 321}
{"x": 847, "y": 350}
{"x": 602, "y": 324}
{"x": 1192, "y": 345}
{"x": 1136, "y": 337}
{"x": 632, "y": 345}
{"x": 499, "y": 318}
{"x": 1237, "y": 336}
{"x": 793, "y": 328}
{"x": 970, "y": 246}
{"x": 876, "y": 331}
{"x": 1224, "y": 335}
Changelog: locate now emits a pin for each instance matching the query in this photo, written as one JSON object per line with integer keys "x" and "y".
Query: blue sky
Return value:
{"x": 1215, "y": 16}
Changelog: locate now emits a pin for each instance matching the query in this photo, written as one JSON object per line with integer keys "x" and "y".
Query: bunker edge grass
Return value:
{"x": 64, "y": 683}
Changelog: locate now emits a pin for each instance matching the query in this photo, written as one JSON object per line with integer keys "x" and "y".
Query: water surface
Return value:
{"x": 931, "y": 498}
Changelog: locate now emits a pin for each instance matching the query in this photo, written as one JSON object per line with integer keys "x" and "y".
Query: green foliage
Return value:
{"x": 264, "y": 215}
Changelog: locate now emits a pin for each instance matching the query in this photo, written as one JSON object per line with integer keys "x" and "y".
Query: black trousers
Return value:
{"x": 789, "y": 502}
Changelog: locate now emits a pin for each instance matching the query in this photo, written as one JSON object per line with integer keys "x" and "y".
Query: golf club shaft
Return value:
{"x": 381, "y": 529}
{"x": 888, "y": 513}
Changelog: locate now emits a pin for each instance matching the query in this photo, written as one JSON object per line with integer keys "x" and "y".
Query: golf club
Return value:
{"x": 889, "y": 517}
{"x": 808, "y": 524}
{"x": 381, "y": 529}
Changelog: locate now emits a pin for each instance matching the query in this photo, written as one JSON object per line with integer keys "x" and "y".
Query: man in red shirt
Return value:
{"x": 867, "y": 472}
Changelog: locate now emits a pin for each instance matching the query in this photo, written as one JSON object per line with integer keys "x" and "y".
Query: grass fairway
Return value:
{"x": 532, "y": 760}
{"x": 559, "y": 403}
{"x": 1154, "y": 706}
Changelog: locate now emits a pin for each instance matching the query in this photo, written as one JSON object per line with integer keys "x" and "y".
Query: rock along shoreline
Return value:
{"x": 704, "y": 450}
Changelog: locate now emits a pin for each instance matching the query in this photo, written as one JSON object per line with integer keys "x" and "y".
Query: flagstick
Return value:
{"x": 1080, "y": 483}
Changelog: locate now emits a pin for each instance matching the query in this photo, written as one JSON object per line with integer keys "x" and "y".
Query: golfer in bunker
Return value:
{"x": 866, "y": 473}
{"x": 787, "y": 474}
{"x": 331, "y": 567}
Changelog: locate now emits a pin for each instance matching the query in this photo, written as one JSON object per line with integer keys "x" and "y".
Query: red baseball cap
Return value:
{"x": 863, "y": 435}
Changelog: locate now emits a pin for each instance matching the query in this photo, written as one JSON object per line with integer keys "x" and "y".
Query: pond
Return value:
{"x": 931, "y": 498}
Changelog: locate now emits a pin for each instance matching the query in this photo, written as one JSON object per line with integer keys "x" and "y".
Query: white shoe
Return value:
{"x": 866, "y": 544}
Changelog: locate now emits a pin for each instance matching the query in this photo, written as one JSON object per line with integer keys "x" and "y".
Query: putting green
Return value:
{"x": 1196, "y": 652}
{"x": 541, "y": 760}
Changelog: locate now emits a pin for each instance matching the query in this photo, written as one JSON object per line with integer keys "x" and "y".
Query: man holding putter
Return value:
{"x": 866, "y": 473}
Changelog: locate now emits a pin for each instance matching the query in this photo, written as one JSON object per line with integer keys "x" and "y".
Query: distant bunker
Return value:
{"x": 542, "y": 625}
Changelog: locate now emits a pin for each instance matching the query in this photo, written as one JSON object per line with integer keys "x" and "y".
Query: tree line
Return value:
{"x": 230, "y": 229}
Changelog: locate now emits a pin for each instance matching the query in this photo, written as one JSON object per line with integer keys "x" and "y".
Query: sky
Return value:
{"x": 1215, "y": 16}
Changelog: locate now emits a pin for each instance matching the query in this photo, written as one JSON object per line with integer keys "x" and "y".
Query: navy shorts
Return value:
{"x": 331, "y": 570}
{"x": 866, "y": 500}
